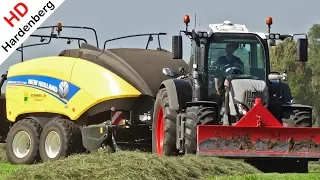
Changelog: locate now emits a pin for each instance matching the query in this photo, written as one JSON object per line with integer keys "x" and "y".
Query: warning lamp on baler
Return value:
{"x": 59, "y": 28}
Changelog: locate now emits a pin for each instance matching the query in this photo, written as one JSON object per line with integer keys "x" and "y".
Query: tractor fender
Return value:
{"x": 179, "y": 92}
{"x": 281, "y": 88}
{"x": 306, "y": 107}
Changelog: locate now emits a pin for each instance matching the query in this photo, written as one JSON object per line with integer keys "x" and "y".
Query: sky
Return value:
{"x": 124, "y": 17}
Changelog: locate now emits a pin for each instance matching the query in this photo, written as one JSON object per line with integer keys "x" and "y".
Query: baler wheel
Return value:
{"x": 164, "y": 126}
{"x": 22, "y": 144}
{"x": 60, "y": 138}
{"x": 197, "y": 116}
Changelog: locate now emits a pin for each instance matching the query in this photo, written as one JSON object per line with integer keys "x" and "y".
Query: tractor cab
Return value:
{"x": 231, "y": 66}
{"x": 234, "y": 55}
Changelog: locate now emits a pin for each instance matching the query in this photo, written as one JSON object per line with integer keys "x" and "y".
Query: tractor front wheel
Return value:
{"x": 296, "y": 118}
{"x": 164, "y": 126}
{"x": 197, "y": 115}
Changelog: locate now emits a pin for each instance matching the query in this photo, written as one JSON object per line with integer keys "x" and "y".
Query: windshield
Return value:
{"x": 229, "y": 54}
{"x": 243, "y": 53}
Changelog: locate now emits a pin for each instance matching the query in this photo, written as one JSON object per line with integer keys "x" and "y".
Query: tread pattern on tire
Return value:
{"x": 34, "y": 156}
{"x": 169, "y": 142}
{"x": 195, "y": 116}
{"x": 297, "y": 118}
{"x": 71, "y": 135}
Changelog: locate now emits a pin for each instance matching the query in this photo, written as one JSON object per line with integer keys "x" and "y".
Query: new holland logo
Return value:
{"x": 63, "y": 89}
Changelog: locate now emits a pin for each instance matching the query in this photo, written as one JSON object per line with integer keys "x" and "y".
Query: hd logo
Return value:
{"x": 63, "y": 89}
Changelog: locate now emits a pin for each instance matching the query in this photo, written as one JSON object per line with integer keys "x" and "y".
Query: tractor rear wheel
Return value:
{"x": 22, "y": 144}
{"x": 297, "y": 118}
{"x": 60, "y": 138}
{"x": 197, "y": 116}
{"x": 164, "y": 126}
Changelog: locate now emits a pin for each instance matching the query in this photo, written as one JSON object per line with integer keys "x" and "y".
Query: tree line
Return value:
{"x": 303, "y": 78}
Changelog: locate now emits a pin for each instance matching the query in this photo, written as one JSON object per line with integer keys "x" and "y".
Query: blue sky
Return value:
{"x": 124, "y": 17}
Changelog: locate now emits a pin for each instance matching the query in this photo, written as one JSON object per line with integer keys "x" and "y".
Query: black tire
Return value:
{"x": 197, "y": 116}
{"x": 297, "y": 118}
{"x": 70, "y": 138}
{"x": 169, "y": 122}
{"x": 32, "y": 129}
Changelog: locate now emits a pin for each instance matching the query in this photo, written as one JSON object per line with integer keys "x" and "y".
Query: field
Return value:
{"x": 137, "y": 165}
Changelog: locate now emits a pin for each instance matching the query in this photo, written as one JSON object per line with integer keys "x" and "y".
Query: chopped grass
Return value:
{"x": 137, "y": 165}
{"x": 314, "y": 166}
{"x": 132, "y": 165}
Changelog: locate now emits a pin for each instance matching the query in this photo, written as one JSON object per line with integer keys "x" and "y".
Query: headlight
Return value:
{"x": 271, "y": 36}
{"x": 242, "y": 109}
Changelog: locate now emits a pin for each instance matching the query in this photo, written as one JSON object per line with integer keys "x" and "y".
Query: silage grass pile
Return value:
{"x": 132, "y": 165}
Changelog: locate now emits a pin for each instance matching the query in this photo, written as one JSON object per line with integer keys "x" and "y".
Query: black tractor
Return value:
{"x": 212, "y": 92}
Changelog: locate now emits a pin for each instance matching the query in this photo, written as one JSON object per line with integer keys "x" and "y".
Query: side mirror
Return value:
{"x": 177, "y": 47}
{"x": 302, "y": 50}
{"x": 168, "y": 72}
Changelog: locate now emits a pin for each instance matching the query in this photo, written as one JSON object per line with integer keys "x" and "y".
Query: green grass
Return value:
{"x": 137, "y": 165}
{"x": 270, "y": 176}
{"x": 7, "y": 169}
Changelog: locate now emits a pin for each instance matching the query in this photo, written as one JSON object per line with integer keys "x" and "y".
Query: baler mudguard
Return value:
{"x": 4, "y": 123}
{"x": 258, "y": 134}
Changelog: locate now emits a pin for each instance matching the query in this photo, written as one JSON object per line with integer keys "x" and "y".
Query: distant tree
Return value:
{"x": 301, "y": 76}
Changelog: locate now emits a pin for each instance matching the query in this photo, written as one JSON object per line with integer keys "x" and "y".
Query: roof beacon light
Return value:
{"x": 186, "y": 19}
{"x": 269, "y": 21}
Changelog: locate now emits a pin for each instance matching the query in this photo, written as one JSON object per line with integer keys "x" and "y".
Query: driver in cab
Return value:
{"x": 228, "y": 59}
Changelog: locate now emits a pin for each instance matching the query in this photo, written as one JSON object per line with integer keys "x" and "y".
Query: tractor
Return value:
{"x": 228, "y": 108}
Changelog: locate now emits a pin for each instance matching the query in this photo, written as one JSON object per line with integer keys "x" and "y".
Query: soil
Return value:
{"x": 245, "y": 143}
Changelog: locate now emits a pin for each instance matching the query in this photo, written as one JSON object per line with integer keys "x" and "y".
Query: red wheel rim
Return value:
{"x": 160, "y": 131}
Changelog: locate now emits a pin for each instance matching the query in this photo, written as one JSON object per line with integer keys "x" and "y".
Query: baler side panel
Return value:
{"x": 101, "y": 84}
{"x": 33, "y": 86}
{"x": 62, "y": 85}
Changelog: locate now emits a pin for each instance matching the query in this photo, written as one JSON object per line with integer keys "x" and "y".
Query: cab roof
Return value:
{"x": 228, "y": 27}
